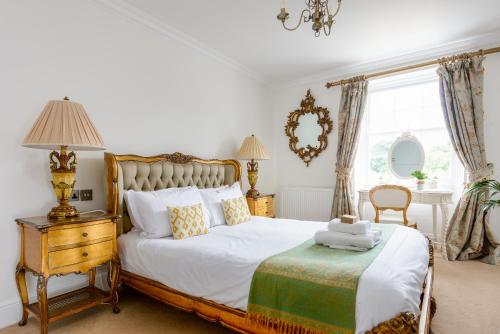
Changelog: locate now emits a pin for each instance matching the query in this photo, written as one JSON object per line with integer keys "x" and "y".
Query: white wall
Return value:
{"x": 146, "y": 94}
{"x": 321, "y": 172}
{"x": 292, "y": 171}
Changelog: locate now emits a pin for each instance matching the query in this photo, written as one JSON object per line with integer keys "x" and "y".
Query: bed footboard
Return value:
{"x": 234, "y": 319}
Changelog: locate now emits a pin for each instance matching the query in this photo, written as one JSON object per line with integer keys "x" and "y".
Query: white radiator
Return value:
{"x": 305, "y": 203}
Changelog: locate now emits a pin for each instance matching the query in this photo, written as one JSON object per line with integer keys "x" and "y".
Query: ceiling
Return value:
{"x": 248, "y": 33}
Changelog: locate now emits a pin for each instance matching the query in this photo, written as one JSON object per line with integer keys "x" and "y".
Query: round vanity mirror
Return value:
{"x": 406, "y": 155}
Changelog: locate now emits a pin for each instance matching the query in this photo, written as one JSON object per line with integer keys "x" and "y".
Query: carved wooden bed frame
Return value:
{"x": 234, "y": 319}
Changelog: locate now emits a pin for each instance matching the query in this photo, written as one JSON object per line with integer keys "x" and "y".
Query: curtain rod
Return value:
{"x": 415, "y": 66}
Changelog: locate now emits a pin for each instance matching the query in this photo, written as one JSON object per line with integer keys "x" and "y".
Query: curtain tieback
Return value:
{"x": 481, "y": 174}
{"x": 343, "y": 172}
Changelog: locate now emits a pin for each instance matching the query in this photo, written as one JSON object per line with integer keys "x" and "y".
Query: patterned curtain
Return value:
{"x": 468, "y": 234}
{"x": 352, "y": 106}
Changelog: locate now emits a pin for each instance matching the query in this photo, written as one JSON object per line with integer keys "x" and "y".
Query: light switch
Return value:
{"x": 86, "y": 195}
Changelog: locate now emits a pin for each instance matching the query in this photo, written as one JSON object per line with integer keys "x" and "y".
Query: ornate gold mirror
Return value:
{"x": 307, "y": 129}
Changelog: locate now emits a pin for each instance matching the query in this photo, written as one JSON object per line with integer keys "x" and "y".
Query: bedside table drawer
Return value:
{"x": 265, "y": 212}
{"x": 80, "y": 254}
{"x": 270, "y": 212}
{"x": 265, "y": 206}
{"x": 262, "y": 206}
{"x": 71, "y": 236}
{"x": 263, "y": 201}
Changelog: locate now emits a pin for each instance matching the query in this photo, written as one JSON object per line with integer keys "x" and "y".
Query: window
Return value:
{"x": 399, "y": 104}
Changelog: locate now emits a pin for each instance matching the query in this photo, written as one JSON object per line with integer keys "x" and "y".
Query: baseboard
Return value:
{"x": 10, "y": 311}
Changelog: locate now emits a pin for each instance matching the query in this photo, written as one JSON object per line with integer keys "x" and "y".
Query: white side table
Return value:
{"x": 438, "y": 198}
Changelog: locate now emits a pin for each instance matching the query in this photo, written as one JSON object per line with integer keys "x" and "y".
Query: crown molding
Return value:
{"x": 446, "y": 49}
{"x": 125, "y": 9}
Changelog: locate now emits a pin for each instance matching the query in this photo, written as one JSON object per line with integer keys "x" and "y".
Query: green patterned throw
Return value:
{"x": 310, "y": 289}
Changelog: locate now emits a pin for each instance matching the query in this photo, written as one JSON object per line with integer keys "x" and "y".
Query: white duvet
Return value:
{"x": 219, "y": 266}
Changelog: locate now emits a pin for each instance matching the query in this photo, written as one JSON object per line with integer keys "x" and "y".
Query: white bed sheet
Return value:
{"x": 219, "y": 265}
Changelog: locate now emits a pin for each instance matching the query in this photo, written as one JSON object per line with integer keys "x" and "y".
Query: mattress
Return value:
{"x": 219, "y": 266}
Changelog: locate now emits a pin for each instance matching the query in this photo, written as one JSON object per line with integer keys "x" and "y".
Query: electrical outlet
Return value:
{"x": 75, "y": 195}
{"x": 86, "y": 195}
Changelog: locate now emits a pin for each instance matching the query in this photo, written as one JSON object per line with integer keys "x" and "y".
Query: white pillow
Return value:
{"x": 212, "y": 198}
{"x": 138, "y": 206}
{"x": 148, "y": 209}
{"x": 212, "y": 203}
{"x": 132, "y": 219}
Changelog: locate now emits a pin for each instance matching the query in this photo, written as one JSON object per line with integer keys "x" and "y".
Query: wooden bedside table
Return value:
{"x": 262, "y": 205}
{"x": 61, "y": 247}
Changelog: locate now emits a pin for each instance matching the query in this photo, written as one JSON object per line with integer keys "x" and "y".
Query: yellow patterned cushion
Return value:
{"x": 187, "y": 221}
{"x": 236, "y": 210}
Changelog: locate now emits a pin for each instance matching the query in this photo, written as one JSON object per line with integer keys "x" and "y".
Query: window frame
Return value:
{"x": 456, "y": 175}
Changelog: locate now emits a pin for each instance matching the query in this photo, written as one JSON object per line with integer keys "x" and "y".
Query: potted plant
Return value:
{"x": 490, "y": 189}
{"x": 420, "y": 176}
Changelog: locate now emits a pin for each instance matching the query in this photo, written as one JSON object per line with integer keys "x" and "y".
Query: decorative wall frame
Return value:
{"x": 309, "y": 152}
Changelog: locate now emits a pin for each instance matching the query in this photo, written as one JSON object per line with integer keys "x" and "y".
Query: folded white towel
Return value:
{"x": 357, "y": 249}
{"x": 368, "y": 240}
{"x": 361, "y": 227}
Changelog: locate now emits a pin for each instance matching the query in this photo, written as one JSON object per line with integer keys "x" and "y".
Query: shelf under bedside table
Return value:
{"x": 72, "y": 302}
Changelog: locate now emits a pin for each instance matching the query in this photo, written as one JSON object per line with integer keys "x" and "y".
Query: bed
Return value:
{"x": 214, "y": 284}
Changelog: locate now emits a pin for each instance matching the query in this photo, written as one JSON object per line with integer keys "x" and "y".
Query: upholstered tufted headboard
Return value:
{"x": 133, "y": 172}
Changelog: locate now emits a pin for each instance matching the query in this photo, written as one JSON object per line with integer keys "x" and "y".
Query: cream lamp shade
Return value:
{"x": 64, "y": 123}
{"x": 61, "y": 127}
{"x": 252, "y": 149}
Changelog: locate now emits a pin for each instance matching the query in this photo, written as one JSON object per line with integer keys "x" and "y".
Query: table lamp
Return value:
{"x": 63, "y": 125}
{"x": 252, "y": 150}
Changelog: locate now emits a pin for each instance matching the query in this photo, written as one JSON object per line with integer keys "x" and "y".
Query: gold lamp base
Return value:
{"x": 252, "y": 170}
{"x": 63, "y": 168}
{"x": 62, "y": 212}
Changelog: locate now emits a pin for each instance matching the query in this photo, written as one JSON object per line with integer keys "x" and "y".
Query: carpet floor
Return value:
{"x": 467, "y": 294}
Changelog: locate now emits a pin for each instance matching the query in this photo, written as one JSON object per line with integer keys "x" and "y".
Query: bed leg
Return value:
{"x": 433, "y": 307}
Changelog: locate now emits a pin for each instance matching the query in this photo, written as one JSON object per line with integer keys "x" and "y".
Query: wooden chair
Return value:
{"x": 391, "y": 197}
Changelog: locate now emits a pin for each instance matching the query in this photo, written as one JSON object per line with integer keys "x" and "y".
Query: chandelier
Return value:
{"x": 317, "y": 11}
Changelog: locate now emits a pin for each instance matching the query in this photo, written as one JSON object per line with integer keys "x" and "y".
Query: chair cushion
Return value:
{"x": 391, "y": 219}
{"x": 388, "y": 219}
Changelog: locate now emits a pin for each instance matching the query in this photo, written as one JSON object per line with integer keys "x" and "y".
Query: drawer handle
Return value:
{"x": 85, "y": 254}
{"x": 85, "y": 234}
